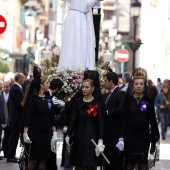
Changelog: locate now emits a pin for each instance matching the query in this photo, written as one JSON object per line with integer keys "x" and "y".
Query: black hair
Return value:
{"x": 158, "y": 79}
{"x": 34, "y": 86}
{"x": 56, "y": 83}
{"x": 126, "y": 77}
{"x": 112, "y": 76}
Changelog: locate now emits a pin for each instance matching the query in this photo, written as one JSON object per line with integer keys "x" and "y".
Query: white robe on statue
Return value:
{"x": 78, "y": 38}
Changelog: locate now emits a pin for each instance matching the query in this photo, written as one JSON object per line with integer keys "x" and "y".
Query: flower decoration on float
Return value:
{"x": 144, "y": 105}
{"x": 92, "y": 109}
{"x": 72, "y": 79}
{"x": 134, "y": 44}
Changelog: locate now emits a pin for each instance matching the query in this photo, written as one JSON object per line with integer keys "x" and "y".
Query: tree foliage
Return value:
{"x": 4, "y": 67}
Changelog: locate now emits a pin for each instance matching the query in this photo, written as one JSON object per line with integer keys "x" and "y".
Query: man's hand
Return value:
{"x": 58, "y": 102}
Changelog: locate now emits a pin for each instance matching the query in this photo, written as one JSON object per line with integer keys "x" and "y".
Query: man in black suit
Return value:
{"x": 55, "y": 87}
{"x": 113, "y": 105}
{"x": 2, "y": 117}
{"x": 5, "y": 93}
{"x": 15, "y": 111}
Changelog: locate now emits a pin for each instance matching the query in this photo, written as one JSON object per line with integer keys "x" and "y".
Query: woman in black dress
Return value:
{"x": 39, "y": 124}
{"x": 139, "y": 123}
{"x": 86, "y": 123}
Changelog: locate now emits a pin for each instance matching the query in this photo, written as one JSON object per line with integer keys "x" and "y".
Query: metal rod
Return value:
{"x": 101, "y": 152}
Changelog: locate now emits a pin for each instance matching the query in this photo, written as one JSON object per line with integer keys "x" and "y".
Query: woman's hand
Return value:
{"x": 67, "y": 139}
{"x": 120, "y": 144}
{"x": 26, "y": 138}
{"x": 53, "y": 142}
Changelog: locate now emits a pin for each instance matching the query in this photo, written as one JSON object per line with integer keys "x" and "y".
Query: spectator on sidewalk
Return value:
{"x": 162, "y": 103}
{"x": 5, "y": 93}
{"x": 159, "y": 85}
{"x": 126, "y": 78}
{"x": 120, "y": 81}
{"x": 15, "y": 111}
{"x": 152, "y": 89}
{"x": 2, "y": 119}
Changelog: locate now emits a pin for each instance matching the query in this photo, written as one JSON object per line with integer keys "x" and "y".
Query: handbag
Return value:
{"x": 166, "y": 101}
{"x": 24, "y": 156}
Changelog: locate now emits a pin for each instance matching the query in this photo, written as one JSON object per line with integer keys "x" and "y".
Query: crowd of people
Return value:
{"x": 122, "y": 124}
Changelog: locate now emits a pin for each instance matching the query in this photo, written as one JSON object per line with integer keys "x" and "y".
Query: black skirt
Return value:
{"x": 40, "y": 146}
{"x": 136, "y": 140}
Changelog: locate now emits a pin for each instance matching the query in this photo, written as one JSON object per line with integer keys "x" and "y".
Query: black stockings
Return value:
{"x": 130, "y": 166}
{"x": 34, "y": 163}
{"x": 136, "y": 160}
{"x": 84, "y": 168}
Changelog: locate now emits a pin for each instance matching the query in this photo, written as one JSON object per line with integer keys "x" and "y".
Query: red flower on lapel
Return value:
{"x": 92, "y": 109}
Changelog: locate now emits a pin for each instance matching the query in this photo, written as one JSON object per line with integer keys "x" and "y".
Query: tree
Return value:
{"x": 4, "y": 67}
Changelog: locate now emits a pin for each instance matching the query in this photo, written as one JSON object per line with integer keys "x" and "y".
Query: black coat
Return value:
{"x": 2, "y": 110}
{"x": 113, "y": 119}
{"x": 15, "y": 99}
{"x": 85, "y": 127}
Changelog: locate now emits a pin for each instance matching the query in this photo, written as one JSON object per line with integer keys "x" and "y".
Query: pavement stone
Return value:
{"x": 163, "y": 164}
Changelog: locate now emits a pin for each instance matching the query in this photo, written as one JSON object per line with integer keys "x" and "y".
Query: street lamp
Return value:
{"x": 135, "y": 11}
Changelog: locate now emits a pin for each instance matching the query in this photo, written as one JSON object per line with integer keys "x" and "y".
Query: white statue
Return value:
{"x": 78, "y": 38}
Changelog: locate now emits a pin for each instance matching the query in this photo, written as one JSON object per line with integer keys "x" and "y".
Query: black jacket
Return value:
{"x": 15, "y": 99}
{"x": 85, "y": 127}
{"x": 113, "y": 118}
{"x": 2, "y": 110}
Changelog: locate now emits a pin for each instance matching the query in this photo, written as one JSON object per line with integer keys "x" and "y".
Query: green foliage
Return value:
{"x": 4, "y": 67}
{"x": 134, "y": 44}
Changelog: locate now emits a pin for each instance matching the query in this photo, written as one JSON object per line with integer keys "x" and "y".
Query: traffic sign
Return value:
{"x": 3, "y": 24}
{"x": 122, "y": 55}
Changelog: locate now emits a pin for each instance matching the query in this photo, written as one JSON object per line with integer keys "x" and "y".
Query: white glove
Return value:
{"x": 67, "y": 139}
{"x": 65, "y": 129}
{"x": 26, "y": 138}
{"x": 53, "y": 146}
{"x": 120, "y": 144}
{"x": 58, "y": 102}
{"x": 54, "y": 142}
{"x": 3, "y": 126}
{"x": 100, "y": 147}
{"x": 54, "y": 138}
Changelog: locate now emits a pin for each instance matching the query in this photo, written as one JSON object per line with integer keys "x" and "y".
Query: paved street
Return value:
{"x": 163, "y": 164}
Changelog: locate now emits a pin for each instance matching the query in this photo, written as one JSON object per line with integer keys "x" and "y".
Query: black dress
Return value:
{"x": 85, "y": 127}
{"x": 140, "y": 127}
{"x": 39, "y": 117}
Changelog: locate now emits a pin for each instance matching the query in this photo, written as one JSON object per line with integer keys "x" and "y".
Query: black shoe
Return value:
{"x": 163, "y": 138}
{"x": 13, "y": 160}
{"x": 1, "y": 158}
